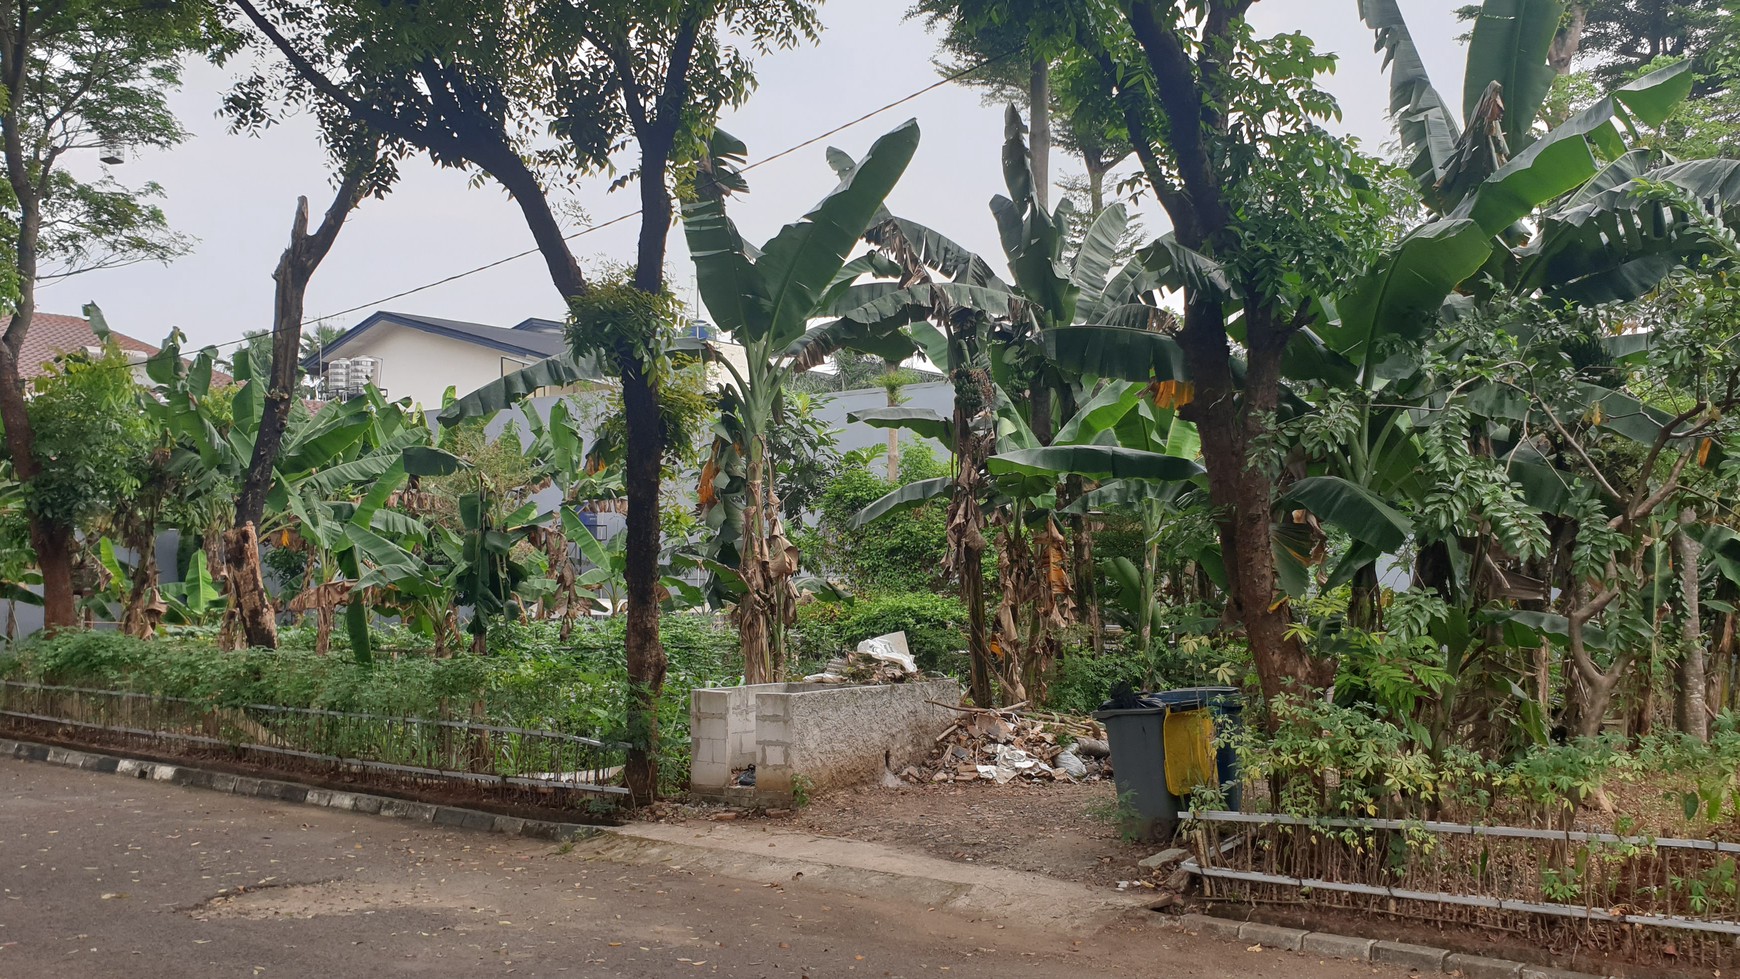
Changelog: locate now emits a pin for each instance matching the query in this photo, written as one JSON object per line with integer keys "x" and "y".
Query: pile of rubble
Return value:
{"x": 1004, "y": 745}
{"x": 883, "y": 659}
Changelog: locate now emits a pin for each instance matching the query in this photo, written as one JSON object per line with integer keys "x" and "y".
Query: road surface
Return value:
{"x": 106, "y": 876}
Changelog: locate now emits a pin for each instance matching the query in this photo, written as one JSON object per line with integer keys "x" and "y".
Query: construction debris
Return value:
{"x": 1007, "y": 744}
{"x": 883, "y": 659}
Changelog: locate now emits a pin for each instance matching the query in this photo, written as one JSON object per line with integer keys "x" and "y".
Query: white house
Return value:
{"x": 419, "y": 357}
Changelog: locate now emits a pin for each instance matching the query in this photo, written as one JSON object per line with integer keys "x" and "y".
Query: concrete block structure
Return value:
{"x": 815, "y": 735}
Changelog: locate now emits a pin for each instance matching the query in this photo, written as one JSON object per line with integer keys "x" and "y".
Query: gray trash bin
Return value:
{"x": 1135, "y": 729}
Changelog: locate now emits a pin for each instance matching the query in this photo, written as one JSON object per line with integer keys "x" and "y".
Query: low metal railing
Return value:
{"x": 1648, "y": 899}
{"x": 542, "y": 766}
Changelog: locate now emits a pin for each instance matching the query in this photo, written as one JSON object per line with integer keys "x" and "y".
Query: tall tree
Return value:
{"x": 361, "y": 172}
{"x": 477, "y": 84}
{"x": 82, "y": 79}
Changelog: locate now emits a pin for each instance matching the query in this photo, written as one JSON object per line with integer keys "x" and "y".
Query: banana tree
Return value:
{"x": 1138, "y": 452}
{"x": 767, "y": 298}
{"x": 987, "y": 334}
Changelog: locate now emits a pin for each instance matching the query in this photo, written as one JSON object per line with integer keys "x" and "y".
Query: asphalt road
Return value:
{"x": 105, "y": 876}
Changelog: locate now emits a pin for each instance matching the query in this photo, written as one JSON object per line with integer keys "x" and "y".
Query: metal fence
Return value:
{"x": 1644, "y": 899}
{"x": 543, "y": 768}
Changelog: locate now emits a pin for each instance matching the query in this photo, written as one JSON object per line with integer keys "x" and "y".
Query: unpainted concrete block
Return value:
{"x": 1421, "y": 957}
{"x": 1216, "y": 927}
{"x": 1481, "y": 967}
{"x": 1338, "y": 946}
{"x": 1272, "y": 936}
{"x": 1163, "y": 858}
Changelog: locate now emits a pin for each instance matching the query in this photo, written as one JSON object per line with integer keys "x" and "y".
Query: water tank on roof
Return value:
{"x": 337, "y": 378}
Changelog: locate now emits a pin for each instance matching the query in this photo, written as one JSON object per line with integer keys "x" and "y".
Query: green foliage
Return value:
{"x": 92, "y": 440}
{"x": 934, "y": 626}
{"x": 904, "y": 552}
{"x": 531, "y": 677}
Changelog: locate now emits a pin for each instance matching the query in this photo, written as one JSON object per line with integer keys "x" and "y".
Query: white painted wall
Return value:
{"x": 420, "y": 366}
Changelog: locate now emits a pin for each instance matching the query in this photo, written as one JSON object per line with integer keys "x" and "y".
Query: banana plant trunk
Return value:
{"x": 1151, "y": 517}
{"x": 966, "y": 519}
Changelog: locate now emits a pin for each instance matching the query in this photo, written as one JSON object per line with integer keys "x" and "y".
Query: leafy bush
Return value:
{"x": 902, "y": 552}
{"x": 531, "y": 677}
{"x": 935, "y": 628}
{"x": 1084, "y": 681}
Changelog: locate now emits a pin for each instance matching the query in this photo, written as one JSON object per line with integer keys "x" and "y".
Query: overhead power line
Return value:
{"x": 589, "y": 229}
{"x": 813, "y": 140}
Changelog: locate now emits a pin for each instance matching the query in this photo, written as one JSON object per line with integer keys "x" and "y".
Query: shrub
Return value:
{"x": 935, "y": 627}
{"x": 531, "y": 677}
{"x": 902, "y": 552}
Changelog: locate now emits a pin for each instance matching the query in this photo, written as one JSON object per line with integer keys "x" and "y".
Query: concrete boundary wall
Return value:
{"x": 804, "y": 737}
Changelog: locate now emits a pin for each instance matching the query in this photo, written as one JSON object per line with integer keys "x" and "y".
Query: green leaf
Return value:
{"x": 1401, "y": 297}
{"x": 325, "y": 437}
{"x": 1102, "y": 412}
{"x": 389, "y": 564}
{"x": 1093, "y": 461}
{"x": 799, "y": 263}
{"x": 581, "y": 536}
{"x": 904, "y": 498}
{"x": 882, "y": 339}
{"x": 1122, "y": 495}
{"x": 1116, "y": 352}
{"x": 922, "y": 421}
{"x": 562, "y": 370}
{"x": 1509, "y": 45}
{"x": 1177, "y": 267}
{"x": 1618, "y": 245}
{"x": 426, "y": 460}
{"x": 1426, "y": 126}
{"x": 933, "y": 250}
{"x": 330, "y": 480}
{"x": 1652, "y": 98}
{"x": 199, "y": 592}
{"x": 1354, "y": 509}
{"x": 1092, "y": 266}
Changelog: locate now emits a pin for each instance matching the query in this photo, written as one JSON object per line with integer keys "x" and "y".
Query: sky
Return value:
{"x": 236, "y": 194}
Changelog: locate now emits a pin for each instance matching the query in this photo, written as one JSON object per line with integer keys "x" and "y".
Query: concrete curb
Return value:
{"x": 1416, "y": 958}
{"x": 295, "y": 792}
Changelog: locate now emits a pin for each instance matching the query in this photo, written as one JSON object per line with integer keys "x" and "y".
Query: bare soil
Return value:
{"x": 1064, "y": 830}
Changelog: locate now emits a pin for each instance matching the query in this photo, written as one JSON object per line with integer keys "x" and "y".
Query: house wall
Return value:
{"x": 421, "y": 366}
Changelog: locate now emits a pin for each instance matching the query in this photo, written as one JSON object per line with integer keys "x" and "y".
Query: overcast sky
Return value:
{"x": 236, "y": 194}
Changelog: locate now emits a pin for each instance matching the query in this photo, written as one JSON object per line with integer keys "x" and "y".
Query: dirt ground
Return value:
{"x": 1060, "y": 829}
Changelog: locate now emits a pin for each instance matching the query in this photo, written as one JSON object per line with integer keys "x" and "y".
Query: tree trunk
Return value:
{"x": 645, "y": 653}
{"x": 1039, "y": 122}
{"x": 966, "y": 519}
{"x": 1694, "y": 718}
{"x": 252, "y": 605}
{"x": 646, "y": 439}
{"x": 1569, "y": 40}
{"x": 54, "y": 558}
{"x": 142, "y": 613}
{"x": 755, "y": 608}
{"x": 1242, "y": 494}
{"x": 246, "y": 585}
{"x": 893, "y": 436}
{"x": 53, "y": 544}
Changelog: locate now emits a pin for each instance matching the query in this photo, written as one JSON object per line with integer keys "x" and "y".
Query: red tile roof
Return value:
{"x": 52, "y": 335}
